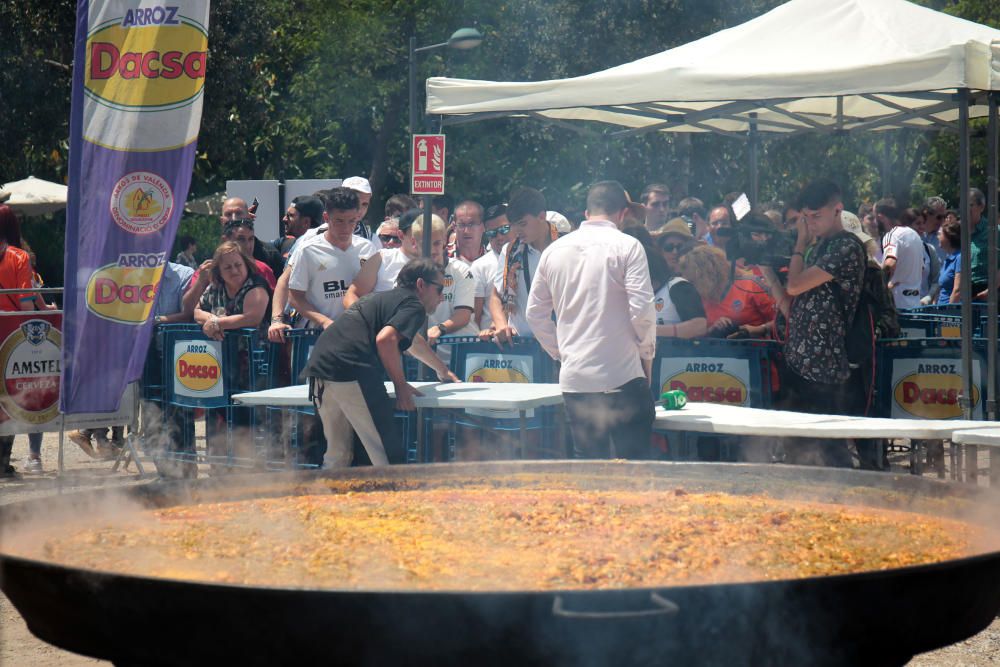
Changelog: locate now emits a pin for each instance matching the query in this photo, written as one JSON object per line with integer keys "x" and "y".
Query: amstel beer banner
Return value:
{"x": 30, "y": 351}
{"x": 138, "y": 87}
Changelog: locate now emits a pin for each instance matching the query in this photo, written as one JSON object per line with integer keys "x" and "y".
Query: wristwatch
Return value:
{"x": 443, "y": 329}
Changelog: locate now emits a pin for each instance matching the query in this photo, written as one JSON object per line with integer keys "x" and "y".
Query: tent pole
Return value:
{"x": 754, "y": 136}
{"x": 966, "y": 285}
{"x": 991, "y": 199}
{"x": 993, "y": 166}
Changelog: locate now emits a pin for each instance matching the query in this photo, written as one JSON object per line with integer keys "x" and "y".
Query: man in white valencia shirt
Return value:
{"x": 596, "y": 280}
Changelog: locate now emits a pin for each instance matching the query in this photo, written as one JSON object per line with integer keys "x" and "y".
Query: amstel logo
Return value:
{"x": 197, "y": 368}
{"x": 932, "y": 395}
{"x": 141, "y": 202}
{"x": 31, "y": 357}
{"x": 148, "y": 58}
{"x": 707, "y": 386}
{"x": 124, "y": 292}
{"x": 498, "y": 370}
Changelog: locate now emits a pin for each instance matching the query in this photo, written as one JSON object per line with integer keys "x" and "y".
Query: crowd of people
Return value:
{"x": 487, "y": 276}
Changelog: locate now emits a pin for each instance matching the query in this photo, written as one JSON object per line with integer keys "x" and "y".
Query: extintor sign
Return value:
{"x": 427, "y": 164}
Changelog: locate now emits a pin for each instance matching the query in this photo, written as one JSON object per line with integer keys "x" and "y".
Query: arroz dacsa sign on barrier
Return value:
{"x": 707, "y": 380}
{"x": 929, "y": 389}
{"x": 483, "y": 367}
{"x": 198, "y": 369}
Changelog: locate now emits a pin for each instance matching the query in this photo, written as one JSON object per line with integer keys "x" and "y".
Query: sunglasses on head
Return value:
{"x": 499, "y": 231}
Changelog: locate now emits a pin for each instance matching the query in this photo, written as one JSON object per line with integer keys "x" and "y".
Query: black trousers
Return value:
{"x": 817, "y": 398}
{"x": 623, "y": 417}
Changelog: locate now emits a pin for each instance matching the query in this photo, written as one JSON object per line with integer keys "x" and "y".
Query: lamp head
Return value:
{"x": 465, "y": 38}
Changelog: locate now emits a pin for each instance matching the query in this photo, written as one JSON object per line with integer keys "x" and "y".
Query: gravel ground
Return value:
{"x": 18, "y": 647}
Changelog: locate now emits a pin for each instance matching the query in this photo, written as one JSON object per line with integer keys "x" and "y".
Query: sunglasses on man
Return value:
{"x": 388, "y": 238}
{"x": 499, "y": 231}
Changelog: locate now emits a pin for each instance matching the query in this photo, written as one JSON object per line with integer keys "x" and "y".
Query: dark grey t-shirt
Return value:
{"x": 346, "y": 350}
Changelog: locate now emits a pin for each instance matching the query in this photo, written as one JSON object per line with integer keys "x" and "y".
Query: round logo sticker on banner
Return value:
{"x": 141, "y": 202}
{"x": 932, "y": 395}
{"x": 144, "y": 75}
{"x": 30, "y": 357}
{"x": 197, "y": 369}
{"x": 707, "y": 386}
{"x": 125, "y": 291}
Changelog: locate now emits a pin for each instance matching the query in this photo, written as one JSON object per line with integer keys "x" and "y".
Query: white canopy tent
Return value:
{"x": 806, "y": 66}
{"x": 34, "y": 196}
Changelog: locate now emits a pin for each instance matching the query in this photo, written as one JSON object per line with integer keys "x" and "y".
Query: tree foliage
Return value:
{"x": 318, "y": 88}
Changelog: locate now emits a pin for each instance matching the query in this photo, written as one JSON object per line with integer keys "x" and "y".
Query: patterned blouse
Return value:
{"x": 817, "y": 324}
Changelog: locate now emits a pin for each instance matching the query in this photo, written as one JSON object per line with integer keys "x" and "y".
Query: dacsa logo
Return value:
{"x": 150, "y": 57}
{"x": 932, "y": 392}
{"x": 124, "y": 292}
{"x": 498, "y": 370}
{"x": 707, "y": 383}
{"x": 197, "y": 368}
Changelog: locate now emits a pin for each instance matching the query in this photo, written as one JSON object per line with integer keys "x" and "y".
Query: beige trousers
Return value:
{"x": 343, "y": 410}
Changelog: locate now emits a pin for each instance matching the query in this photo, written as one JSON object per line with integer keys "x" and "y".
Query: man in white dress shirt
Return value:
{"x": 596, "y": 281}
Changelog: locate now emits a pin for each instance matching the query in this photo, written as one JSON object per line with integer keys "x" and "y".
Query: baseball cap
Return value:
{"x": 677, "y": 226}
{"x": 358, "y": 184}
{"x": 556, "y": 218}
{"x": 852, "y": 224}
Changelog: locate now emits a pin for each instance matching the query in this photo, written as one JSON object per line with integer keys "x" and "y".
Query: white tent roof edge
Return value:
{"x": 884, "y": 58}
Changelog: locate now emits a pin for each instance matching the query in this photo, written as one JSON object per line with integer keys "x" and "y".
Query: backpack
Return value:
{"x": 876, "y": 316}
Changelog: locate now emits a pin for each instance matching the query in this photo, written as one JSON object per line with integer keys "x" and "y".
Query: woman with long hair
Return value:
{"x": 732, "y": 302}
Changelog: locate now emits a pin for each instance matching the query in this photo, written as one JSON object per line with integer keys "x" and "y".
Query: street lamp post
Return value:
{"x": 462, "y": 39}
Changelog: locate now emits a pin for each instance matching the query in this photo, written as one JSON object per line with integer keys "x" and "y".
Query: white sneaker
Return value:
{"x": 33, "y": 465}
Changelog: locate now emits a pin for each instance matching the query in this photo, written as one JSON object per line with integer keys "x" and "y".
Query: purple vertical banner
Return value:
{"x": 138, "y": 87}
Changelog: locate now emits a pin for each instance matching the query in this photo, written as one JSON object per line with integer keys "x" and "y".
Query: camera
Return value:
{"x": 756, "y": 241}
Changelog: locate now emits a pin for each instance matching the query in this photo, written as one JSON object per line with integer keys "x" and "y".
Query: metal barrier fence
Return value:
{"x": 915, "y": 378}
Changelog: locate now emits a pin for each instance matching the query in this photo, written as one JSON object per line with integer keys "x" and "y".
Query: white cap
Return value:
{"x": 560, "y": 221}
{"x": 852, "y": 224}
{"x": 358, "y": 184}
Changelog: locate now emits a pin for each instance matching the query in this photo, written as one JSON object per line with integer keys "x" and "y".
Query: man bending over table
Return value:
{"x": 346, "y": 367}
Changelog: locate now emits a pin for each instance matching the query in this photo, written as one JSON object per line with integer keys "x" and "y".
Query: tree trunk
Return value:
{"x": 380, "y": 157}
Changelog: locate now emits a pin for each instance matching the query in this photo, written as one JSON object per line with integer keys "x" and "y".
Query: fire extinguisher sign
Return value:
{"x": 427, "y": 165}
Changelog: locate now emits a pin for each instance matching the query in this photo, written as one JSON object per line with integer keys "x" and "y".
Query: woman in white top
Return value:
{"x": 679, "y": 311}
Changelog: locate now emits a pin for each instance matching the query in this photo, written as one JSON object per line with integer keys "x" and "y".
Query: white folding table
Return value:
{"x": 737, "y": 420}
{"x": 983, "y": 436}
{"x": 438, "y": 395}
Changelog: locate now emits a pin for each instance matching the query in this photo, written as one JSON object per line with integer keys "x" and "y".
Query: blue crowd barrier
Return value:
{"x": 922, "y": 379}
{"x": 712, "y": 370}
{"x": 203, "y": 373}
{"x": 521, "y": 360}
